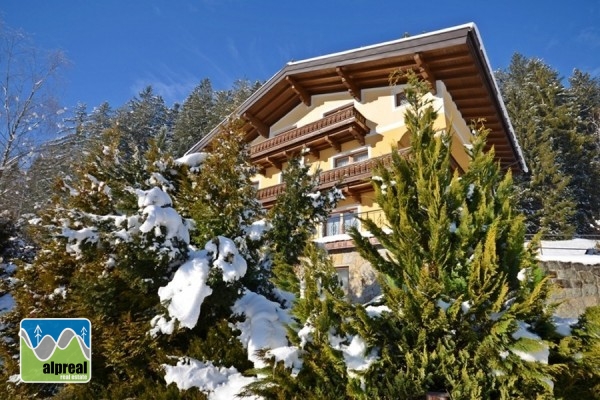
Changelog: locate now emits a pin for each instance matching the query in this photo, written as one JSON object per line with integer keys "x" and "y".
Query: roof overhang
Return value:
{"x": 454, "y": 56}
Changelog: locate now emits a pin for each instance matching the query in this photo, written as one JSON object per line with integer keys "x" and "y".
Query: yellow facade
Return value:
{"x": 387, "y": 131}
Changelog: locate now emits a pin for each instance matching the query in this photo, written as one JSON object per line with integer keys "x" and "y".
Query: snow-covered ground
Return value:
{"x": 569, "y": 251}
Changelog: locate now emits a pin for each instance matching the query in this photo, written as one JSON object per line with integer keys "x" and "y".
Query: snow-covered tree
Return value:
{"x": 107, "y": 244}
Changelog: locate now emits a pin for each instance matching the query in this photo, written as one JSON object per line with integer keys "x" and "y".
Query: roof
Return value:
{"x": 455, "y": 56}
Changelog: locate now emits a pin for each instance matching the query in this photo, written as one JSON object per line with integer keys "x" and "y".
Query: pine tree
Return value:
{"x": 142, "y": 119}
{"x": 459, "y": 285}
{"x": 195, "y": 119}
{"x": 584, "y": 92}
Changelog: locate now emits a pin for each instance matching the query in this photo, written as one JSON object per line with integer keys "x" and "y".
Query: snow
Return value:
{"x": 186, "y": 292}
{"x": 290, "y": 357}
{"x": 59, "y": 291}
{"x": 192, "y": 160}
{"x": 540, "y": 355}
{"x": 169, "y": 218}
{"x": 305, "y": 334}
{"x": 160, "y": 324}
{"x": 221, "y": 383}
{"x": 569, "y": 251}
{"x": 256, "y": 231}
{"x": 153, "y": 197}
{"x": 563, "y": 325}
{"x": 333, "y": 238}
{"x": 75, "y": 238}
{"x": 226, "y": 257}
{"x": 264, "y": 328}
{"x": 376, "y": 311}
{"x": 156, "y": 206}
{"x": 354, "y": 353}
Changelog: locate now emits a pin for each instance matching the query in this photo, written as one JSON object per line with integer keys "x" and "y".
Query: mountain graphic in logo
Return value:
{"x": 55, "y": 350}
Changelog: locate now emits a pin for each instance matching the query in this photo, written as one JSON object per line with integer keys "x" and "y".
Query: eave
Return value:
{"x": 454, "y": 56}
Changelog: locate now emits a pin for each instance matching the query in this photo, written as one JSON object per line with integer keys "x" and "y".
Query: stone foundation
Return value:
{"x": 362, "y": 282}
{"x": 577, "y": 286}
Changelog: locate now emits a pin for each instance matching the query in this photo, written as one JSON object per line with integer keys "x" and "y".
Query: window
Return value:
{"x": 359, "y": 156}
{"x": 340, "y": 223}
{"x": 400, "y": 99}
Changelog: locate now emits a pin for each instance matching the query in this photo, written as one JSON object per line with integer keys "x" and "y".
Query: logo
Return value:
{"x": 56, "y": 350}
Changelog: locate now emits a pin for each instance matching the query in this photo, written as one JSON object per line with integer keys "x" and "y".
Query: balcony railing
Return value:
{"x": 340, "y": 126}
{"x": 353, "y": 177}
{"x": 359, "y": 172}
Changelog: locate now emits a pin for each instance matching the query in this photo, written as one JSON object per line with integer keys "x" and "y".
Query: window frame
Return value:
{"x": 350, "y": 156}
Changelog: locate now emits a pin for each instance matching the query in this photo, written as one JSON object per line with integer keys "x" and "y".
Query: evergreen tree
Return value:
{"x": 293, "y": 219}
{"x": 196, "y": 118}
{"x": 459, "y": 285}
{"x": 108, "y": 243}
{"x": 142, "y": 119}
{"x": 319, "y": 315}
{"x": 204, "y": 109}
{"x": 553, "y": 125}
{"x": 584, "y": 92}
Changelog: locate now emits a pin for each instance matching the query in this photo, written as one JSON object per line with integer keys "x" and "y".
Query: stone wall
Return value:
{"x": 577, "y": 286}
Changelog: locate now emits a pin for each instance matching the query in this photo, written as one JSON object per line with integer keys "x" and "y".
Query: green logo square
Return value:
{"x": 56, "y": 350}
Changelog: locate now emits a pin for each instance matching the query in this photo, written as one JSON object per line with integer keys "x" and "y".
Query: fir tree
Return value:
{"x": 552, "y": 125}
{"x": 204, "y": 109}
{"x": 142, "y": 119}
{"x": 584, "y": 93}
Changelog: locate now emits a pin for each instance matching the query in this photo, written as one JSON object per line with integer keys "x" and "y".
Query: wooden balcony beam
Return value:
{"x": 299, "y": 90}
{"x": 355, "y": 195}
{"x": 356, "y": 134}
{"x": 333, "y": 143}
{"x": 425, "y": 71}
{"x": 349, "y": 84}
{"x": 274, "y": 163}
{"x": 260, "y": 126}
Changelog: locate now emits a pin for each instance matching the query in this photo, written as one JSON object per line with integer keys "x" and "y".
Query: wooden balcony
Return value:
{"x": 332, "y": 130}
{"x": 352, "y": 179}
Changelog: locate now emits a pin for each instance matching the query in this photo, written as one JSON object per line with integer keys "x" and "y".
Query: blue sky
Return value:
{"x": 117, "y": 47}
